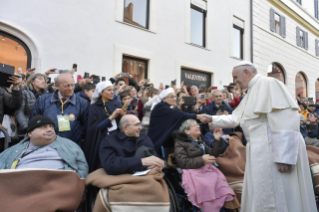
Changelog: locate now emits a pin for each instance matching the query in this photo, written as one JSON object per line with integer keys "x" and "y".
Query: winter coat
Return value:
{"x": 8, "y": 100}
{"x": 22, "y": 114}
{"x": 76, "y": 108}
{"x": 189, "y": 156}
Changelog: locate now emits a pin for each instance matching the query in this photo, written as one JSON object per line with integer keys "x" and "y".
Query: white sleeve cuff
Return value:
{"x": 224, "y": 121}
{"x": 285, "y": 146}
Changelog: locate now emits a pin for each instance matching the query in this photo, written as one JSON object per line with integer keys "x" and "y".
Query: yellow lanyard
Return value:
{"x": 62, "y": 104}
{"x": 107, "y": 112}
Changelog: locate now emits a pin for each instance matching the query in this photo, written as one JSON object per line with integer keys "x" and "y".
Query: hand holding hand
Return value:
{"x": 204, "y": 118}
{"x": 282, "y": 167}
{"x": 208, "y": 159}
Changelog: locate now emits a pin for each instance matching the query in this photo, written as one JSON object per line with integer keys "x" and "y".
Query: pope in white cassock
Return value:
{"x": 277, "y": 175}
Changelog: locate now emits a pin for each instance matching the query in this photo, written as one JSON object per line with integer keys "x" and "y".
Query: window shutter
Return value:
{"x": 272, "y": 20}
{"x": 305, "y": 34}
{"x": 298, "y": 36}
{"x": 317, "y": 50}
{"x": 283, "y": 26}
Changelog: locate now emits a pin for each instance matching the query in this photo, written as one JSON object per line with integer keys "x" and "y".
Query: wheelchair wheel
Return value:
{"x": 172, "y": 196}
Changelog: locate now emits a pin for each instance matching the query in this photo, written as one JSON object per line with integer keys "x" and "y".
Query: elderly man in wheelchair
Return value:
{"x": 44, "y": 172}
{"x": 131, "y": 177}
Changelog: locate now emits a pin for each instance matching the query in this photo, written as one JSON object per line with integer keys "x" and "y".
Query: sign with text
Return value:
{"x": 199, "y": 79}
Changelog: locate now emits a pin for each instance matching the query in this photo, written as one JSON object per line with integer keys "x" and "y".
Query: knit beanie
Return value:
{"x": 38, "y": 121}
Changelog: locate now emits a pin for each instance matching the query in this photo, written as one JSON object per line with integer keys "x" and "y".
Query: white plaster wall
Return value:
{"x": 270, "y": 47}
{"x": 90, "y": 33}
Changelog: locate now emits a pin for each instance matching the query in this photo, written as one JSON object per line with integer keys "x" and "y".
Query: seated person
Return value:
{"x": 118, "y": 151}
{"x": 87, "y": 91}
{"x": 126, "y": 98}
{"x": 312, "y": 130}
{"x": 303, "y": 110}
{"x": 215, "y": 135}
{"x": 204, "y": 184}
{"x": 42, "y": 148}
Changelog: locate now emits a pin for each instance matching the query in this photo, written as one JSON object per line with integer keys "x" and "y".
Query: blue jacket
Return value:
{"x": 50, "y": 105}
{"x": 117, "y": 153}
{"x": 209, "y": 140}
{"x": 71, "y": 154}
{"x": 81, "y": 94}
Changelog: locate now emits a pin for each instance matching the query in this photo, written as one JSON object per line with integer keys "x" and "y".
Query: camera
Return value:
{"x": 134, "y": 104}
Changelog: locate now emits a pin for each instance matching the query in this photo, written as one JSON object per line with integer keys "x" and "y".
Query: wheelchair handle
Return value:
{"x": 7, "y": 138}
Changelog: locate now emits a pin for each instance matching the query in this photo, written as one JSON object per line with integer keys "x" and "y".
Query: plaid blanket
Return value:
{"x": 40, "y": 190}
{"x": 127, "y": 193}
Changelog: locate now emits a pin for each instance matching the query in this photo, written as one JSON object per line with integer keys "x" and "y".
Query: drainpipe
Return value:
{"x": 251, "y": 32}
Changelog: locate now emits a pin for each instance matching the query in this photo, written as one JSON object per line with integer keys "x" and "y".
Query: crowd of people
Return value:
{"x": 85, "y": 126}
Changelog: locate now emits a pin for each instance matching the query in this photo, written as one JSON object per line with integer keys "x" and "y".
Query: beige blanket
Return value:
{"x": 127, "y": 193}
{"x": 40, "y": 190}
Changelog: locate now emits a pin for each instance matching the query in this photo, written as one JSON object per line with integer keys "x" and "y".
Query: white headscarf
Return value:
{"x": 98, "y": 90}
{"x": 162, "y": 95}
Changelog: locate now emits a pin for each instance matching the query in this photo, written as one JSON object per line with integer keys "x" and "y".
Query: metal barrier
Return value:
{"x": 7, "y": 138}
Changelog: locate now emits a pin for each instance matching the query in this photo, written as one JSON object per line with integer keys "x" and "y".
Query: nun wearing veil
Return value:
{"x": 165, "y": 119}
{"x": 103, "y": 118}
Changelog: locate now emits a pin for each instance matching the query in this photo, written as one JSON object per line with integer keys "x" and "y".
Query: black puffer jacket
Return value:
{"x": 189, "y": 155}
{"x": 12, "y": 100}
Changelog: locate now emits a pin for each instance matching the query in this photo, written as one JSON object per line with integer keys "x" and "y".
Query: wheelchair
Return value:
{"x": 177, "y": 195}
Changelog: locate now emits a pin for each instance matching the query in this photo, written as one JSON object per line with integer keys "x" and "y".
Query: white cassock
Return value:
{"x": 269, "y": 117}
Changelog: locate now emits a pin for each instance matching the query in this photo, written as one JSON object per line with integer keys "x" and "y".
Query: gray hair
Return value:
{"x": 33, "y": 77}
{"x": 214, "y": 91}
{"x": 124, "y": 121}
{"x": 194, "y": 86}
{"x": 186, "y": 125}
{"x": 250, "y": 68}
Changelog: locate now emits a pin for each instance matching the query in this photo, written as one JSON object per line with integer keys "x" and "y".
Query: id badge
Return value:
{"x": 14, "y": 164}
{"x": 64, "y": 123}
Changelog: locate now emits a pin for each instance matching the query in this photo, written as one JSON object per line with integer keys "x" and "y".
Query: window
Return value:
{"x": 136, "y": 12}
{"x": 198, "y": 16}
{"x": 299, "y": 1}
{"x": 275, "y": 71}
{"x": 317, "y": 47}
{"x": 277, "y": 23}
{"x": 136, "y": 67}
{"x": 302, "y": 38}
{"x": 316, "y": 9}
{"x": 237, "y": 42}
{"x": 14, "y": 52}
{"x": 301, "y": 85}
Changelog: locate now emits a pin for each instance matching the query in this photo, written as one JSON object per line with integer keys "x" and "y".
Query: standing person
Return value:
{"x": 277, "y": 176}
{"x": 36, "y": 86}
{"x": 103, "y": 119}
{"x": 139, "y": 106}
{"x": 165, "y": 119}
{"x": 65, "y": 109}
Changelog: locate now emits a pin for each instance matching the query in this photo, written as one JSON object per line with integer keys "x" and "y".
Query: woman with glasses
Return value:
{"x": 165, "y": 119}
{"x": 205, "y": 185}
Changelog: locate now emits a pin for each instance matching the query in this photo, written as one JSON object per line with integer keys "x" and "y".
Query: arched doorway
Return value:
{"x": 317, "y": 90}
{"x": 301, "y": 85}
{"x": 275, "y": 70}
{"x": 14, "y": 52}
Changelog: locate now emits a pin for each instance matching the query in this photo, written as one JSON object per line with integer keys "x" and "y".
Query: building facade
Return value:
{"x": 285, "y": 43}
{"x": 195, "y": 41}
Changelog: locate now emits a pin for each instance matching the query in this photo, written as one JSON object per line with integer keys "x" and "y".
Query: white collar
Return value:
{"x": 253, "y": 81}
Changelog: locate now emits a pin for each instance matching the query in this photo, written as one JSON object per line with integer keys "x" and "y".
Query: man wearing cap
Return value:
{"x": 277, "y": 175}
{"x": 68, "y": 111}
{"x": 42, "y": 148}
